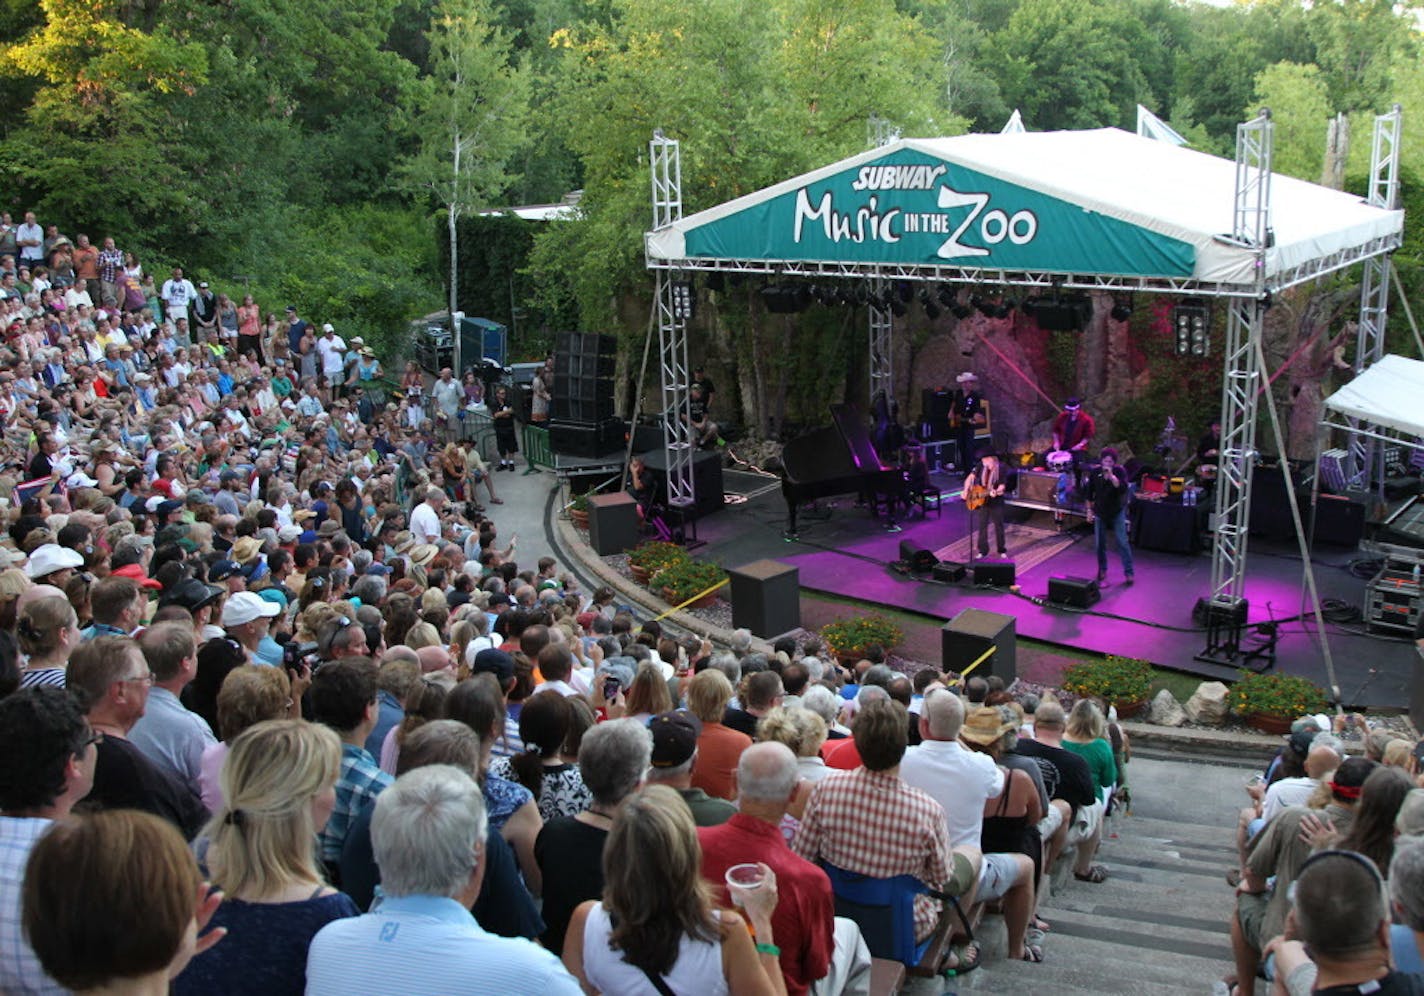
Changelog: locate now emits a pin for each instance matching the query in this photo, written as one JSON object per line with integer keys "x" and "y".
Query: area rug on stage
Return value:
{"x": 1028, "y": 545}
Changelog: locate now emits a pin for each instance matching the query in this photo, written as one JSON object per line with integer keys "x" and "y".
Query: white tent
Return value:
{"x": 1386, "y": 395}
{"x": 1104, "y": 205}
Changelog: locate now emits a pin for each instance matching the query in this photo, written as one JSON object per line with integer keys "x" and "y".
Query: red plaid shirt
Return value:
{"x": 872, "y": 823}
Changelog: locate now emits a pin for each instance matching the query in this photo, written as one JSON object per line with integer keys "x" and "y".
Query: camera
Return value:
{"x": 295, "y": 654}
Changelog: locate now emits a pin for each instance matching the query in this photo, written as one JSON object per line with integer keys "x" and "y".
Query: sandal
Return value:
{"x": 1233, "y": 877}
{"x": 1038, "y": 923}
{"x": 496, "y": 501}
{"x": 963, "y": 962}
{"x": 1032, "y": 953}
{"x": 1097, "y": 874}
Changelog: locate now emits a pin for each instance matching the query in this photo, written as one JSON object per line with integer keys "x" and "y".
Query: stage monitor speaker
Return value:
{"x": 612, "y": 523}
{"x": 706, "y": 478}
{"x": 966, "y": 637}
{"x": 999, "y": 573}
{"x": 949, "y": 570}
{"x": 1081, "y": 593}
{"x": 766, "y": 598}
{"x": 918, "y": 559}
{"x": 1339, "y": 521}
{"x": 586, "y": 439}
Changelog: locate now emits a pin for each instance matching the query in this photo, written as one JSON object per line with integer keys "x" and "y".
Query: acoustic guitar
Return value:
{"x": 975, "y": 497}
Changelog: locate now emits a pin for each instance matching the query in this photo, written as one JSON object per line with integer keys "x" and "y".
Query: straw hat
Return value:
{"x": 246, "y": 549}
{"x": 984, "y": 726}
{"x": 423, "y": 554}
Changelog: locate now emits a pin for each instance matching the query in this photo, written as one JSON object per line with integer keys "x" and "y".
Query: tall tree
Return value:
{"x": 470, "y": 116}
{"x": 1300, "y": 112}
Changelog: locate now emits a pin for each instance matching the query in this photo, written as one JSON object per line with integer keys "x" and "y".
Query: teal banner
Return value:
{"x": 913, "y": 209}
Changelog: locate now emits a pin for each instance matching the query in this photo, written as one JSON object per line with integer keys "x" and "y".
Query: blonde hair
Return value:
{"x": 1399, "y": 754}
{"x": 653, "y": 887}
{"x": 1086, "y": 722}
{"x": 798, "y": 728}
{"x": 422, "y": 634}
{"x": 708, "y": 695}
{"x": 42, "y": 623}
{"x": 263, "y": 836}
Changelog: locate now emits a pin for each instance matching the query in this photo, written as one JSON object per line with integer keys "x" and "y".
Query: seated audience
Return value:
{"x": 674, "y": 758}
{"x": 718, "y": 746}
{"x": 168, "y": 733}
{"x": 654, "y": 929}
{"x": 428, "y": 833}
{"x": 278, "y": 789}
{"x": 343, "y": 696}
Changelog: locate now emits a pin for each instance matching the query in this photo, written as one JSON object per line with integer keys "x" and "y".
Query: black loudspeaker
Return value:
{"x": 916, "y": 558}
{"x": 1339, "y": 521}
{"x": 584, "y": 363}
{"x": 1416, "y": 692}
{"x": 949, "y": 570}
{"x": 706, "y": 478}
{"x": 999, "y": 573}
{"x": 612, "y": 523}
{"x": 966, "y": 637}
{"x": 766, "y": 598}
{"x": 1077, "y": 592}
{"x": 587, "y": 439}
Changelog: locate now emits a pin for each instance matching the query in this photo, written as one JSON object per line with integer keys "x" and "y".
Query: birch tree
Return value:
{"x": 470, "y": 117}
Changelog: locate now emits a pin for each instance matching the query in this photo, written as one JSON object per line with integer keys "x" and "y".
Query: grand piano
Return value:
{"x": 839, "y": 459}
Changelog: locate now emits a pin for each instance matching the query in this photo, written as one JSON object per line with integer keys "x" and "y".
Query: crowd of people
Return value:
{"x": 1330, "y": 885}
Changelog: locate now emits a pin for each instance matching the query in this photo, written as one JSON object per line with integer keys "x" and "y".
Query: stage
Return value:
{"x": 850, "y": 554}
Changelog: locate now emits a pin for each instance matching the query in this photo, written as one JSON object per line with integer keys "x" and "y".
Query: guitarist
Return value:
{"x": 984, "y": 490}
{"x": 967, "y": 417}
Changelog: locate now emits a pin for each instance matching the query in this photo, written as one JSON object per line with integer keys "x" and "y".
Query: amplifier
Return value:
{"x": 999, "y": 573}
{"x": 1078, "y": 592}
{"x": 948, "y": 570}
{"x": 918, "y": 559}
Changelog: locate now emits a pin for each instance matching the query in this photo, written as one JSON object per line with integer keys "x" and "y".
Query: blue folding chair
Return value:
{"x": 884, "y": 908}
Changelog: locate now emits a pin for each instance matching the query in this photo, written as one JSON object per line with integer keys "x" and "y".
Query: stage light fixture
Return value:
{"x": 684, "y": 300}
{"x": 906, "y": 292}
{"x": 947, "y": 296}
{"x": 932, "y": 311}
{"x": 1060, "y": 312}
{"x": 715, "y": 281}
{"x": 1192, "y": 323}
{"x": 986, "y": 308}
{"x": 1121, "y": 309}
{"x": 897, "y": 307}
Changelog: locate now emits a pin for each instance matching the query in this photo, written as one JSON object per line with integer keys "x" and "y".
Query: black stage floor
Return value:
{"x": 849, "y": 554}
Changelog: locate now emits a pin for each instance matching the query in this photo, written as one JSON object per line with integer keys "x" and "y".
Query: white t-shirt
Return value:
{"x": 177, "y": 294}
{"x": 959, "y": 779}
{"x": 332, "y": 352}
{"x": 1287, "y": 792}
{"x": 424, "y": 524}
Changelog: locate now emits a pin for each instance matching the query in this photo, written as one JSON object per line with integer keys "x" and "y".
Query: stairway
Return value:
{"x": 1158, "y": 925}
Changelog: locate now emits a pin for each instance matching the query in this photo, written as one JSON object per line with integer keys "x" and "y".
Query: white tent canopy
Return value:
{"x": 1104, "y": 204}
{"x": 1386, "y": 395}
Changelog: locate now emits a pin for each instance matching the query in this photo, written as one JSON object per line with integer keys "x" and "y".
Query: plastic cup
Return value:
{"x": 742, "y": 879}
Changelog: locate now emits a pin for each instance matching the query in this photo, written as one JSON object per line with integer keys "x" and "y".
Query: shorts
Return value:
{"x": 1048, "y": 826}
{"x": 961, "y": 876}
{"x": 1251, "y": 911}
{"x": 1086, "y": 823}
{"x": 997, "y": 876}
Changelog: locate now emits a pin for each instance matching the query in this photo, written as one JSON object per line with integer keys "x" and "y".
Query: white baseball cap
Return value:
{"x": 243, "y": 607}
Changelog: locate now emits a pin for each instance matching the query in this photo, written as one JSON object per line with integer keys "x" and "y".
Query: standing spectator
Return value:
{"x": 447, "y": 394}
{"x": 331, "y": 351}
{"x": 506, "y": 440}
{"x": 249, "y": 329}
{"x": 540, "y": 396}
{"x": 111, "y": 678}
{"x": 718, "y": 747}
{"x": 114, "y": 903}
{"x": 29, "y": 237}
{"x": 111, "y": 272}
{"x": 655, "y": 928}
{"x": 178, "y": 293}
{"x": 50, "y": 757}
{"x": 168, "y": 734}
{"x": 343, "y": 696}
{"x": 278, "y": 790}
{"x": 428, "y": 834}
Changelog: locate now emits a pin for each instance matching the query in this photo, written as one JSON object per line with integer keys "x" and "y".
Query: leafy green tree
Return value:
{"x": 1358, "y": 45}
{"x": 470, "y": 117}
{"x": 1300, "y": 111}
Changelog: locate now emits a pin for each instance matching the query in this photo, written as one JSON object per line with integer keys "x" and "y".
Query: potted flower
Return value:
{"x": 578, "y": 509}
{"x": 1269, "y": 702}
{"x": 849, "y": 638}
{"x": 1121, "y": 681}
{"x": 647, "y": 559}
{"x": 686, "y": 578}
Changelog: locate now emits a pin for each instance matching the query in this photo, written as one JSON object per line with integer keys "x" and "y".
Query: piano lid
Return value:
{"x": 857, "y": 439}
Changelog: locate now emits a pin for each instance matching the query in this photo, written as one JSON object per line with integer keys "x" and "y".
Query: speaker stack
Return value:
{"x": 581, "y": 421}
